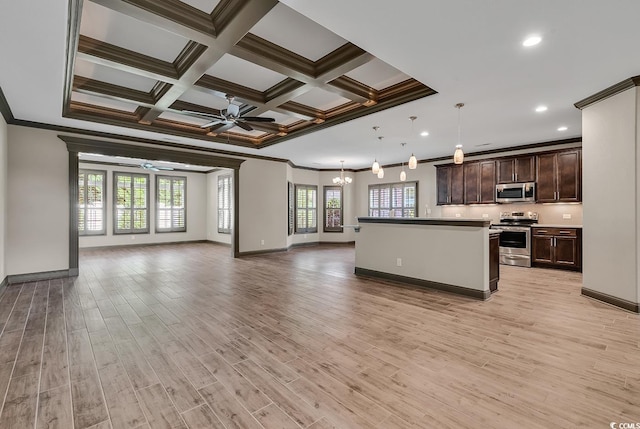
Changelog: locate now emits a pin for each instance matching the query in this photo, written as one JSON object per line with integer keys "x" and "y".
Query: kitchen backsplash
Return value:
{"x": 557, "y": 213}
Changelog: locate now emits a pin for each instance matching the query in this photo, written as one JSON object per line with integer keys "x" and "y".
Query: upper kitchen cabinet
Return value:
{"x": 559, "y": 177}
{"x": 518, "y": 169}
{"x": 479, "y": 182}
{"x": 450, "y": 184}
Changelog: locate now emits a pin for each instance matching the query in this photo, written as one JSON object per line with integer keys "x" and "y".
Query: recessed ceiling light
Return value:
{"x": 531, "y": 41}
{"x": 541, "y": 109}
{"x": 562, "y": 128}
{"x": 424, "y": 133}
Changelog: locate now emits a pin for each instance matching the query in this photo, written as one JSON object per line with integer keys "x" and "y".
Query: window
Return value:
{"x": 224, "y": 204}
{"x": 306, "y": 209}
{"x": 393, "y": 200}
{"x": 131, "y": 205}
{"x": 170, "y": 202}
{"x": 332, "y": 209}
{"x": 91, "y": 202}
{"x": 291, "y": 207}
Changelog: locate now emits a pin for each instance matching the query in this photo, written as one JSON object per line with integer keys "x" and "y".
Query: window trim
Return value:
{"x": 291, "y": 208}
{"x": 116, "y": 230}
{"x": 157, "y": 208}
{"x": 228, "y": 210}
{"x": 326, "y": 228}
{"x": 390, "y": 186}
{"x": 103, "y": 231}
{"x": 299, "y": 230}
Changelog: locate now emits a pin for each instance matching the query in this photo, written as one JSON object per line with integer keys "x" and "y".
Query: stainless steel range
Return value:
{"x": 515, "y": 240}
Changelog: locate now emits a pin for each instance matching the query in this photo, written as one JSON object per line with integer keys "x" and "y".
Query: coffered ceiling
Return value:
{"x": 335, "y": 67}
{"x": 166, "y": 65}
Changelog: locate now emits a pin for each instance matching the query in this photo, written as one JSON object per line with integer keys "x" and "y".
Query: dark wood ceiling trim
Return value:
{"x": 180, "y": 12}
{"x": 159, "y": 89}
{"x": 342, "y": 109}
{"x": 224, "y": 87}
{"x": 113, "y": 56}
{"x": 115, "y": 92}
{"x": 274, "y": 57}
{"x": 80, "y": 110}
{"x": 5, "y": 109}
{"x": 348, "y": 86}
{"x": 282, "y": 89}
{"x": 619, "y": 87}
{"x": 188, "y": 56}
{"x": 117, "y": 164}
{"x": 340, "y": 61}
{"x": 307, "y": 111}
{"x": 180, "y": 105}
{"x": 224, "y": 12}
{"x": 73, "y": 33}
{"x": 84, "y": 145}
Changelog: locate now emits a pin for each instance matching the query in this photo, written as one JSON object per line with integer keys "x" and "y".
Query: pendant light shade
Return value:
{"x": 458, "y": 155}
{"x": 381, "y": 173}
{"x": 413, "y": 162}
{"x": 375, "y": 168}
{"x": 403, "y": 175}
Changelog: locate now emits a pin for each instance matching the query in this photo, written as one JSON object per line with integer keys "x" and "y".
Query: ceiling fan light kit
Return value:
{"x": 149, "y": 166}
{"x": 229, "y": 117}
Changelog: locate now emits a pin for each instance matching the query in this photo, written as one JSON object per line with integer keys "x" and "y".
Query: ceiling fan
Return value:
{"x": 229, "y": 117}
{"x": 151, "y": 167}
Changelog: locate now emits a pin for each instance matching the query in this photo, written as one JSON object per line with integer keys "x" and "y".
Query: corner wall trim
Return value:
{"x": 261, "y": 252}
{"x": 613, "y": 300}
{"x": 459, "y": 290}
{"x": 45, "y": 275}
{"x": 4, "y": 283}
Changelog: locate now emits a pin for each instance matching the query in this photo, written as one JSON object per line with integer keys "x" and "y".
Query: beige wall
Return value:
{"x": 212, "y": 207}
{"x": 610, "y": 196}
{"x": 3, "y": 196}
{"x": 196, "y": 210}
{"x": 38, "y": 202}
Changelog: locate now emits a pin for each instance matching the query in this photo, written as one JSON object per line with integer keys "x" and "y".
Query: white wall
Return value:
{"x": 610, "y": 196}
{"x": 3, "y": 197}
{"x": 196, "y": 210}
{"x": 263, "y": 205}
{"x": 212, "y": 207}
{"x": 37, "y": 202}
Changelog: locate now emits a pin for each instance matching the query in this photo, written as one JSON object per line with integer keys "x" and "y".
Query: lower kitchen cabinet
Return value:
{"x": 557, "y": 248}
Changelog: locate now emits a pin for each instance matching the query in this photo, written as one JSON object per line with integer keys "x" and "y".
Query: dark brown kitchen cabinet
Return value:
{"x": 557, "y": 248}
{"x": 494, "y": 261}
{"x": 450, "y": 184}
{"x": 479, "y": 182}
{"x": 518, "y": 169}
{"x": 559, "y": 177}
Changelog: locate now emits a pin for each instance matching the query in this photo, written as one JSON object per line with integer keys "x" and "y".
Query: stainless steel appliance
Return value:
{"x": 516, "y": 192}
{"x": 515, "y": 239}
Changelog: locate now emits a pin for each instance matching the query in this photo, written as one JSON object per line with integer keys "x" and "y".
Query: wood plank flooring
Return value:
{"x": 184, "y": 336}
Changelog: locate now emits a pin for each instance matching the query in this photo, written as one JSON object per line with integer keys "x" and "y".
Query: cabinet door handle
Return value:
{"x": 554, "y": 242}
{"x": 516, "y": 175}
{"x": 541, "y": 231}
{"x": 565, "y": 232}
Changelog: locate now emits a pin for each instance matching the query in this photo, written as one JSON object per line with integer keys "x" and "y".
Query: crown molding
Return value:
{"x": 619, "y": 87}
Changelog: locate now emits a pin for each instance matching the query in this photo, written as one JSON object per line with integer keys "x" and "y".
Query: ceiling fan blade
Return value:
{"x": 212, "y": 123}
{"x": 223, "y": 128}
{"x": 244, "y": 126}
{"x": 257, "y": 119}
{"x": 164, "y": 168}
{"x": 206, "y": 115}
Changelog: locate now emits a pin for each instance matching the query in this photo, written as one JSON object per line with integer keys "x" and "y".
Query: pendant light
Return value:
{"x": 342, "y": 180}
{"x": 375, "y": 168}
{"x": 380, "y": 172}
{"x": 458, "y": 155}
{"x": 413, "y": 161}
{"x": 403, "y": 174}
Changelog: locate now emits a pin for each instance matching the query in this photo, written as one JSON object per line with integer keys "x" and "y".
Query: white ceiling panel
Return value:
{"x": 105, "y": 102}
{"x": 234, "y": 69}
{"x": 254, "y": 133}
{"x": 113, "y": 76}
{"x": 377, "y": 74}
{"x": 283, "y": 26}
{"x": 108, "y": 26}
{"x": 321, "y": 99}
{"x": 184, "y": 118}
{"x": 206, "y": 6}
{"x": 204, "y": 99}
{"x": 279, "y": 117}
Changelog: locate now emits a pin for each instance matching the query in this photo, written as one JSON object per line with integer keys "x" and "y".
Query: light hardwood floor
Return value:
{"x": 183, "y": 336}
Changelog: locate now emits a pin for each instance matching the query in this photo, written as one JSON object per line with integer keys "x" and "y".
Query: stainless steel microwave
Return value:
{"x": 516, "y": 192}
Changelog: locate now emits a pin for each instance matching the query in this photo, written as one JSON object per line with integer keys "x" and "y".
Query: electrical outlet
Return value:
{"x": 399, "y": 262}
{"x": 305, "y": 236}
{"x": 485, "y": 215}
{"x": 566, "y": 216}
{"x": 133, "y": 237}
{"x": 458, "y": 215}
{"x": 262, "y": 242}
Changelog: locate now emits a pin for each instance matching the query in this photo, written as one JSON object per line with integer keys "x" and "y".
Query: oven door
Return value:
{"x": 515, "y": 240}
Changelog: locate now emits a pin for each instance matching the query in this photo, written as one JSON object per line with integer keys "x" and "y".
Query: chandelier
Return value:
{"x": 342, "y": 179}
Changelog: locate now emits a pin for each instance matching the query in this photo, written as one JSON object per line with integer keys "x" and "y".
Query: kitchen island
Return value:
{"x": 453, "y": 255}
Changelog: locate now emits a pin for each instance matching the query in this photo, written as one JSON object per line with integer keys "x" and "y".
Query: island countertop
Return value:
{"x": 426, "y": 221}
